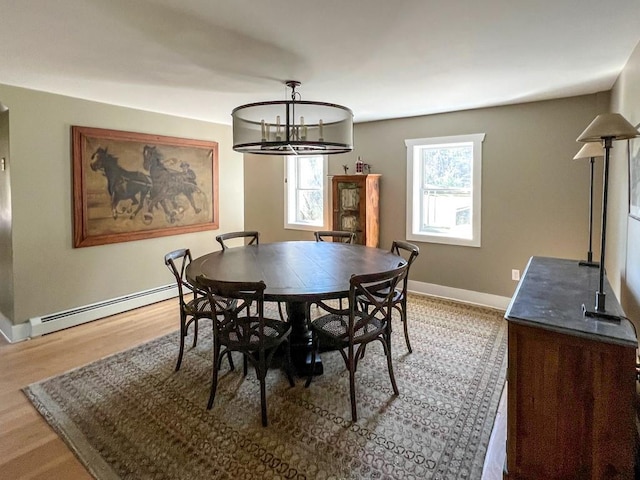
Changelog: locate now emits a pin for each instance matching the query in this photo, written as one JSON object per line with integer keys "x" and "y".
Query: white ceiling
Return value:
{"x": 382, "y": 58}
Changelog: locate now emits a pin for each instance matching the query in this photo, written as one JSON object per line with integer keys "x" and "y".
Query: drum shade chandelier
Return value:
{"x": 292, "y": 127}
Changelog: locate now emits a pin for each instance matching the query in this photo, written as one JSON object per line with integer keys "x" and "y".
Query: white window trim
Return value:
{"x": 325, "y": 198}
{"x": 413, "y": 191}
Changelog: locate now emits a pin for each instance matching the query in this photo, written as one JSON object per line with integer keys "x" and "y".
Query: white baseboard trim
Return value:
{"x": 460, "y": 295}
{"x": 13, "y": 333}
{"x": 76, "y": 316}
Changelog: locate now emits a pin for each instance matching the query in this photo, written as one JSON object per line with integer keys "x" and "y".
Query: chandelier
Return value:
{"x": 292, "y": 127}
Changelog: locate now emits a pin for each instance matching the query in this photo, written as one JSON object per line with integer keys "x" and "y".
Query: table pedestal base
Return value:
{"x": 301, "y": 342}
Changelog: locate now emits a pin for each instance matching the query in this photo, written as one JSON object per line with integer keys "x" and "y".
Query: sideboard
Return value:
{"x": 571, "y": 378}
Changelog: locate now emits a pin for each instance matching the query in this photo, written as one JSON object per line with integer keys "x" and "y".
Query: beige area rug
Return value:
{"x": 131, "y": 416}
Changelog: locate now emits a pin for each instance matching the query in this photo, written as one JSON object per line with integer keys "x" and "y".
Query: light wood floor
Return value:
{"x": 29, "y": 448}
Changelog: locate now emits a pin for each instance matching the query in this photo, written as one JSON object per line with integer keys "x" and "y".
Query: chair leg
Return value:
{"x": 183, "y": 333}
{"x": 230, "y": 358}
{"x": 263, "y": 394}
{"x": 352, "y": 387}
{"x": 214, "y": 378}
{"x": 387, "y": 350}
{"x": 195, "y": 332}
{"x": 403, "y": 317}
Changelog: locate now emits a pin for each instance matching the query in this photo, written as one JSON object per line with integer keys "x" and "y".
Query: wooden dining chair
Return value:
{"x": 193, "y": 309}
{"x": 349, "y": 330}
{"x": 335, "y": 236}
{"x": 254, "y": 239}
{"x": 240, "y": 330}
{"x": 409, "y": 252}
{"x": 253, "y": 236}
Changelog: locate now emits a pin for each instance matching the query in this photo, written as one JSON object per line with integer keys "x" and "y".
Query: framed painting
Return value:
{"x": 132, "y": 186}
{"x": 634, "y": 178}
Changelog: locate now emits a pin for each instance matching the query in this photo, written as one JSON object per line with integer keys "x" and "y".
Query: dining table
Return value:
{"x": 296, "y": 273}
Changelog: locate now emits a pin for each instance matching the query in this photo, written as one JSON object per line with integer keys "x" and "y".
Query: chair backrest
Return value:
{"x": 378, "y": 290}
{"x": 177, "y": 262}
{"x": 254, "y": 237}
{"x": 222, "y": 294}
{"x": 335, "y": 236}
{"x": 409, "y": 252}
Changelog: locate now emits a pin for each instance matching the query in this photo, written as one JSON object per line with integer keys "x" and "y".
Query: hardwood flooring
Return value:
{"x": 29, "y": 448}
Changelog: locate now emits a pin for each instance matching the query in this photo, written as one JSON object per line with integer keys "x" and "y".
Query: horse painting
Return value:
{"x": 168, "y": 185}
{"x": 122, "y": 184}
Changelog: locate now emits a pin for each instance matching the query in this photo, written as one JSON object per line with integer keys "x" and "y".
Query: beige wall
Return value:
{"x": 49, "y": 275}
{"x": 534, "y": 196}
{"x": 623, "y": 239}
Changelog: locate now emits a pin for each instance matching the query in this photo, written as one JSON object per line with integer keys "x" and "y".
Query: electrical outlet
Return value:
{"x": 515, "y": 274}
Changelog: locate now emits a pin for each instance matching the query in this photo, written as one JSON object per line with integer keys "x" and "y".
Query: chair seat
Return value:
{"x": 199, "y": 306}
{"x": 397, "y": 296}
{"x": 334, "y": 327}
{"x": 274, "y": 330}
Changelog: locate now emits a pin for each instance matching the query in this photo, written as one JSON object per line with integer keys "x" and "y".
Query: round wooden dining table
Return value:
{"x": 296, "y": 273}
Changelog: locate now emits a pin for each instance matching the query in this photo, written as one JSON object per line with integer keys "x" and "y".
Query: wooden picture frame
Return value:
{"x": 132, "y": 186}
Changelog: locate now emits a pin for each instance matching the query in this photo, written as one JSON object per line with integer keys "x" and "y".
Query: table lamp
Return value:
{"x": 604, "y": 129}
{"x": 591, "y": 151}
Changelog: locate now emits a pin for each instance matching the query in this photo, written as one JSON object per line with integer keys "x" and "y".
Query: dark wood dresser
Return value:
{"x": 571, "y": 379}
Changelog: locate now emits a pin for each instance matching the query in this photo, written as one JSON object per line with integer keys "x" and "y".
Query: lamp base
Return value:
{"x": 587, "y": 263}
{"x": 609, "y": 317}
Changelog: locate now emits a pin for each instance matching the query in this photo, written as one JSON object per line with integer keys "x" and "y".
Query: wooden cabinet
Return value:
{"x": 355, "y": 206}
{"x": 571, "y": 379}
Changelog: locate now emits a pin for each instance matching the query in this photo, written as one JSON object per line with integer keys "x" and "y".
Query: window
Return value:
{"x": 305, "y": 192}
{"x": 444, "y": 189}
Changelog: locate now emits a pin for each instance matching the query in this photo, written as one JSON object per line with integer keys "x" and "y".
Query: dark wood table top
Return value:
{"x": 295, "y": 271}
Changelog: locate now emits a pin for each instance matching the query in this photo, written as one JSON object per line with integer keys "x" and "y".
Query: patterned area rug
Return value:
{"x": 131, "y": 416}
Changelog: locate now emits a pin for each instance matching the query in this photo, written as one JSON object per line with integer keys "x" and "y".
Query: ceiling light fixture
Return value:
{"x": 292, "y": 127}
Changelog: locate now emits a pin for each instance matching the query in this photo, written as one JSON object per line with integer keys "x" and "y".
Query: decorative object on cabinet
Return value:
{"x": 355, "y": 206}
{"x": 605, "y": 128}
{"x": 131, "y": 186}
{"x": 292, "y": 127}
{"x": 591, "y": 151}
{"x": 571, "y": 379}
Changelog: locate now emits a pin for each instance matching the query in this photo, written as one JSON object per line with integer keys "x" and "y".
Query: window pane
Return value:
{"x": 309, "y": 206}
{"x": 310, "y": 172}
{"x": 446, "y": 189}
{"x": 447, "y": 212}
{"x": 447, "y": 166}
{"x": 444, "y": 192}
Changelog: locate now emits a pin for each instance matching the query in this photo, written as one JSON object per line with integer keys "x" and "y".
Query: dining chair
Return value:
{"x": 254, "y": 239}
{"x": 191, "y": 311}
{"x": 255, "y": 336}
{"x": 409, "y": 252}
{"x": 349, "y": 330}
{"x": 253, "y": 236}
{"x": 335, "y": 236}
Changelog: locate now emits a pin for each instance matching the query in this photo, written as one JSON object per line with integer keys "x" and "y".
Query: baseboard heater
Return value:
{"x": 76, "y": 316}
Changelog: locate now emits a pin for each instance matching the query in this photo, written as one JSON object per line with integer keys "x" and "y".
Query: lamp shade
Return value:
{"x": 608, "y": 125}
{"x": 292, "y": 127}
{"x": 590, "y": 150}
